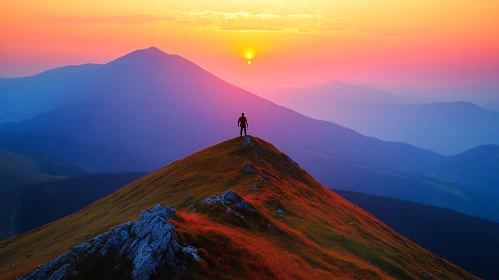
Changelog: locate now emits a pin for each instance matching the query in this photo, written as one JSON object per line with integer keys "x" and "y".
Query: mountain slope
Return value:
{"x": 459, "y": 238}
{"x": 470, "y": 199}
{"x": 93, "y": 158}
{"x": 17, "y": 171}
{"x": 24, "y": 98}
{"x": 45, "y": 202}
{"x": 318, "y": 235}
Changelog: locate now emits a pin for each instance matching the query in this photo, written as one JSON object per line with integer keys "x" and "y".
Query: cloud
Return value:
{"x": 261, "y": 22}
{"x": 225, "y": 21}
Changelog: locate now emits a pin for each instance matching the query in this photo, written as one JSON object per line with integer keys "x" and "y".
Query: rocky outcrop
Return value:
{"x": 149, "y": 243}
{"x": 281, "y": 212}
{"x": 247, "y": 167}
{"x": 248, "y": 142}
{"x": 228, "y": 198}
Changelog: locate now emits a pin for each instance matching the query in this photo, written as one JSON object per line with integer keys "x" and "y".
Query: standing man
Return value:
{"x": 243, "y": 123}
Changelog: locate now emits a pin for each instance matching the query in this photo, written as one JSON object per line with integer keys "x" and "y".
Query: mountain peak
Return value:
{"x": 248, "y": 209}
{"x": 151, "y": 50}
{"x": 142, "y": 56}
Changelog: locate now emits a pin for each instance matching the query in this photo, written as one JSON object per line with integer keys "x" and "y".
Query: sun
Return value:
{"x": 249, "y": 56}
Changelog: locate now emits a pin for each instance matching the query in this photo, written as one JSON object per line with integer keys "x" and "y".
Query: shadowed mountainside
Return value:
{"x": 45, "y": 202}
{"x": 459, "y": 238}
{"x": 17, "y": 171}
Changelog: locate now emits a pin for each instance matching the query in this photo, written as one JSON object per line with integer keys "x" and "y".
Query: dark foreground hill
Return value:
{"x": 244, "y": 208}
{"x": 470, "y": 242}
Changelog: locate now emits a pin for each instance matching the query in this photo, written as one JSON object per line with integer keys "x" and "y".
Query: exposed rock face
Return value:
{"x": 228, "y": 198}
{"x": 149, "y": 243}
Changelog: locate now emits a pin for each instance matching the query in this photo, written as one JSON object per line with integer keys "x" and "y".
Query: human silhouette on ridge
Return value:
{"x": 243, "y": 123}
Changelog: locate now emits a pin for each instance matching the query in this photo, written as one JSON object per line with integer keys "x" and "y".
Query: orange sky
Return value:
{"x": 295, "y": 43}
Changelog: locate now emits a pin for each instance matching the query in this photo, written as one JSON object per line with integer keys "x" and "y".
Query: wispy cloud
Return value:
{"x": 225, "y": 21}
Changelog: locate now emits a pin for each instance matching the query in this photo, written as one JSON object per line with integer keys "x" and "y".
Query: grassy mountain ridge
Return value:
{"x": 320, "y": 236}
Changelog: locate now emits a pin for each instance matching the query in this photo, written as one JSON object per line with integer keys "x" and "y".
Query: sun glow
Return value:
{"x": 249, "y": 56}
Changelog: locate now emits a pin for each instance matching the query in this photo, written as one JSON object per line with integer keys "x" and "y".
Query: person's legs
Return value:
{"x": 241, "y": 132}
{"x": 244, "y": 131}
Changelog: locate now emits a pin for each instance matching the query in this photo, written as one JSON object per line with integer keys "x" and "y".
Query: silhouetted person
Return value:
{"x": 243, "y": 123}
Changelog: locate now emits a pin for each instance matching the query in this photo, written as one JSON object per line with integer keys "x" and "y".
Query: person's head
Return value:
{"x": 242, "y": 114}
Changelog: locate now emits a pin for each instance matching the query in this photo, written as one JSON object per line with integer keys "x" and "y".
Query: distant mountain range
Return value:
{"x": 492, "y": 105}
{"x": 148, "y": 108}
{"x": 447, "y": 128}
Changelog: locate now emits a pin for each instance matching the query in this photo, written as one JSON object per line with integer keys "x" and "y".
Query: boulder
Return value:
{"x": 149, "y": 243}
{"x": 281, "y": 212}
{"x": 229, "y": 198}
{"x": 247, "y": 167}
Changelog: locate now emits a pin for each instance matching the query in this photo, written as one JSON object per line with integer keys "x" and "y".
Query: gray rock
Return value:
{"x": 254, "y": 188}
{"x": 150, "y": 243}
{"x": 248, "y": 167}
{"x": 191, "y": 251}
{"x": 228, "y": 210}
{"x": 189, "y": 197}
{"x": 228, "y": 198}
{"x": 281, "y": 212}
{"x": 241, "y": 203}
{"x": 248, "y": 142}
